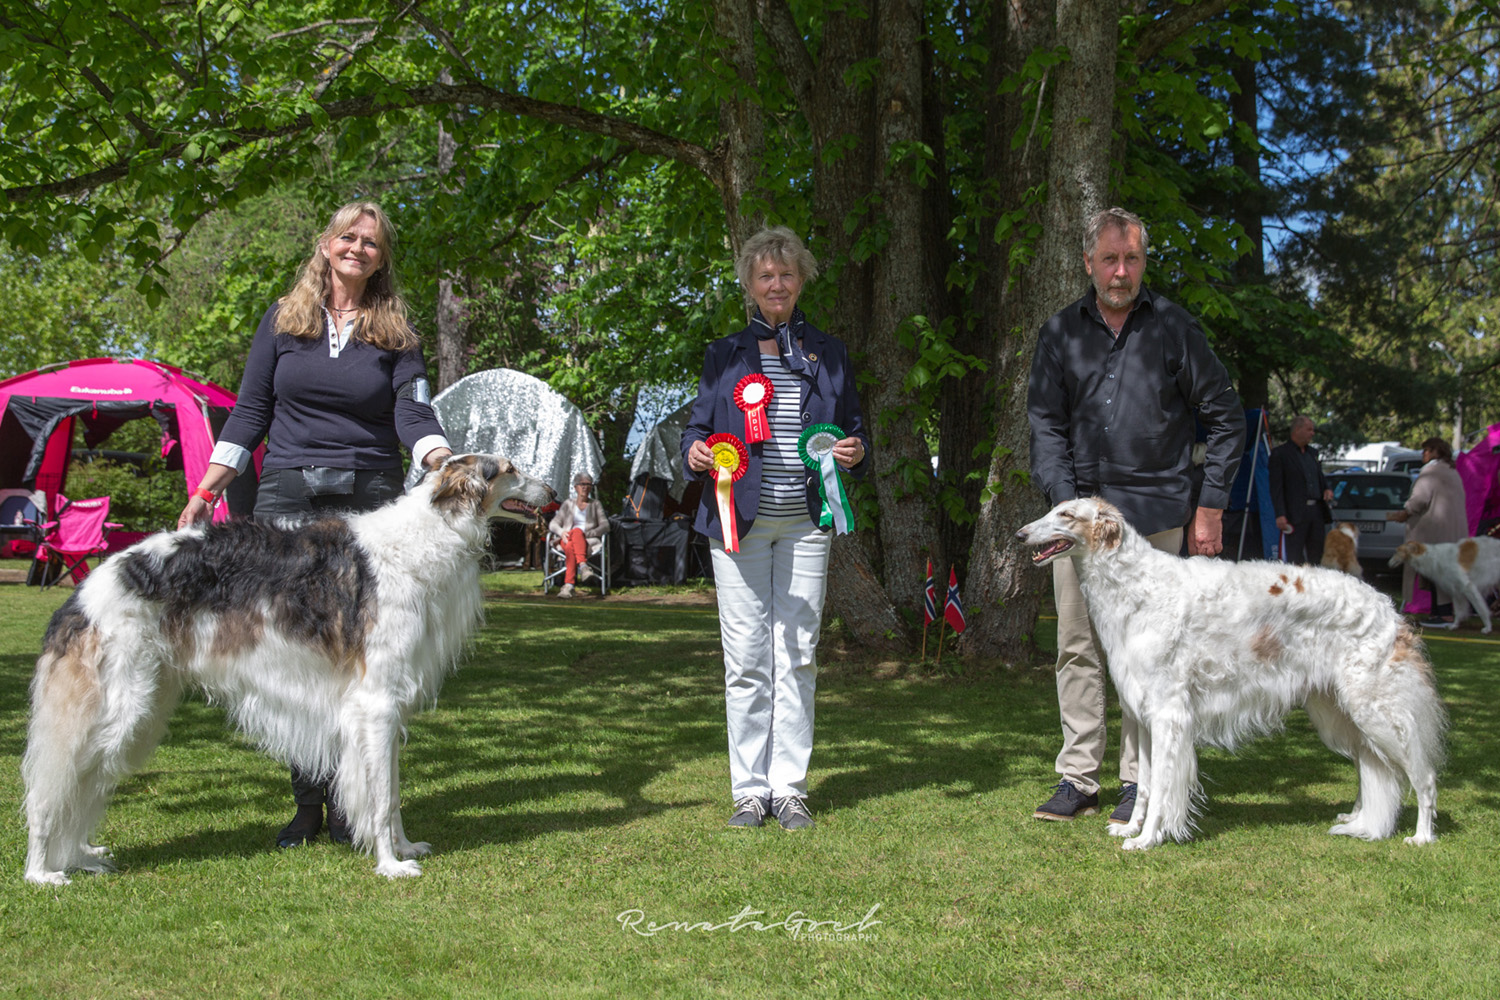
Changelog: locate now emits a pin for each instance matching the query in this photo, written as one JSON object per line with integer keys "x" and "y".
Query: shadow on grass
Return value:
{"x": 586, "y": 717}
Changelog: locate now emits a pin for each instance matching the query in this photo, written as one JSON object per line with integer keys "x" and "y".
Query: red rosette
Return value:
{"x": 753, "y": 394}
{"x": 731, "y": 460}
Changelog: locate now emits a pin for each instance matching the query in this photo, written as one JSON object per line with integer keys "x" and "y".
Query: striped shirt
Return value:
{"x": 783, "y": 487}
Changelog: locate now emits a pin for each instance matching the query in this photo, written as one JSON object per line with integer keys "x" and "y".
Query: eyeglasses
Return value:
{"x": 583, "y": 484}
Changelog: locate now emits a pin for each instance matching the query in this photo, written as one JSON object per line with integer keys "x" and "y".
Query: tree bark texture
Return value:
{"x": 1003, "y": 588}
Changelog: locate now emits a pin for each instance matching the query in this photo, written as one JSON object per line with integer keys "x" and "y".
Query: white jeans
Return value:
{"x": 770, "y": 615}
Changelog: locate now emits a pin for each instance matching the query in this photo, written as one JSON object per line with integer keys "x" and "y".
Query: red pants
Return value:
{"x": 575, "y": 549}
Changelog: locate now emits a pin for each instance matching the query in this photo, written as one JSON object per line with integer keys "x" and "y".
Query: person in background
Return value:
{"x": 579, "y": 527}
{"x": 771, "y": 591}
{"x": 1435, "y": 512}
{"x": 1299, "y": 493}
{"x": 335, "y": 375}
{"x": 1115, "y": 383}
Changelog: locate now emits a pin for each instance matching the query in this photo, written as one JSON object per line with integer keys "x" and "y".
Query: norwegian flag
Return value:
{"x": 953, "y": 610}
{"x": 929, "y": 612}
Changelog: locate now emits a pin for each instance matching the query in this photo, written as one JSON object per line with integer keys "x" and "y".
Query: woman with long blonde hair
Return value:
{"x": 336, "y": 377}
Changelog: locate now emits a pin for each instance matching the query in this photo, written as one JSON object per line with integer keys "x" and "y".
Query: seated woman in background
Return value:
{"x": 578, "y": 527}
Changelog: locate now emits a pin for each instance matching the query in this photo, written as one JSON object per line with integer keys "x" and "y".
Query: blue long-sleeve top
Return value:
{"x": 337, "y": 409}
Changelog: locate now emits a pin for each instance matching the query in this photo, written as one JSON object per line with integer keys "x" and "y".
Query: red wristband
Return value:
{"x": 207, "y": 496}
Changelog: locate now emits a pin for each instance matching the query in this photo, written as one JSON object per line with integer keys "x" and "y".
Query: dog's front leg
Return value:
{"x": 371, "y": 730}
{"x": 1171, "y": 773}
{"x": 1142, "y": 784}
{"x": 405, "y": 849}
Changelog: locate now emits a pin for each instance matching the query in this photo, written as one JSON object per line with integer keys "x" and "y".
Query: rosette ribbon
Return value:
{"x": 731, "y": 461}
{"x": 815, "y": 447}
{"x": 753, "y": 394}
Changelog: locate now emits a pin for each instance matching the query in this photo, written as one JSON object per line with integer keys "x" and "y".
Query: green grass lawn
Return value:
{"x": 575, "y": 770}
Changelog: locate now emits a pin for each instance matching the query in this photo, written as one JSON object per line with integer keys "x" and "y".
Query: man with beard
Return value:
{"x": 1116, "y": 382}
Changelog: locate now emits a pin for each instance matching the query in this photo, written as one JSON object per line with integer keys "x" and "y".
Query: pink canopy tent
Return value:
{"x": 38, "y": 412}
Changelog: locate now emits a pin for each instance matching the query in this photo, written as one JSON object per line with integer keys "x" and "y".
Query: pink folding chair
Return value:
{"x": 75, "y": 533}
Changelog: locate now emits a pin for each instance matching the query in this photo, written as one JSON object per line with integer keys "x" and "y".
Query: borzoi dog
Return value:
{"x": 1204, "y": 651}
{"x": 1468, "y": 570}
{"x": 321, "y": 640}
{"x": 1341, "y": 549}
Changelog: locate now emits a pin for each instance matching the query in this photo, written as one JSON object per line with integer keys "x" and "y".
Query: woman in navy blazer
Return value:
{"x": 771, "y": 591}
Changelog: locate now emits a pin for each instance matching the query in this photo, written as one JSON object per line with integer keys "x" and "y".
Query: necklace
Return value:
{"x": 342, "y": 311}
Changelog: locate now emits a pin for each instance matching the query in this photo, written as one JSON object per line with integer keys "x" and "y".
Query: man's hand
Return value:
{"x": 1207, "y": 536}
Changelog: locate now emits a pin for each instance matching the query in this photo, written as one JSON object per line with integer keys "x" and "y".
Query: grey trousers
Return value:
{"x": 1080, "y": 681}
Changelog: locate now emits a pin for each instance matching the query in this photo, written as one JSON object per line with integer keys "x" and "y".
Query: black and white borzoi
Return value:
{"x": 320, "y": 640}
{"x": 1206, "y": 651}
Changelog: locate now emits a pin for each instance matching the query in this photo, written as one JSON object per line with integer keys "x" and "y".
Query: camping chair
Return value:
{"x": 20, "y": 522}
{"x": 77, "y": 532}
{"x": 553, "y": 567}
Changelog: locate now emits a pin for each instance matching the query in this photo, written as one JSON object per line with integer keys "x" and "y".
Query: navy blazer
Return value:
{"x": 828, "y": 397}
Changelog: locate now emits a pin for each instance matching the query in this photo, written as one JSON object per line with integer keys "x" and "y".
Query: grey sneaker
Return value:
{"x": 750, "y": 811}
{"x": 566, "y": 591}
{"x": 1122, "y": 812}
{"x": 1068, "y": 802}
{"x": 791, "y": 812}
{"x": 585, "y": 572}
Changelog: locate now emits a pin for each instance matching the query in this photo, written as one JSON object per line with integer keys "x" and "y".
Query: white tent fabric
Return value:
{"x": 505, "y": 412}
{"x": 660, "y": 453}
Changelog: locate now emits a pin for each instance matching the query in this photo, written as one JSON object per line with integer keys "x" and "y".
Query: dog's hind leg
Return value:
{"x": 1381, "y": 788}
{"x": 1471, "y": 595}
{"x": 1339, "y": 734}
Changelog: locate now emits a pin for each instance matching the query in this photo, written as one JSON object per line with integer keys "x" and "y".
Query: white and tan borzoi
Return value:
{"x": 320, "y": 640}
{"x": 1468, "y": 570}
{"x": 1205, "y": 651}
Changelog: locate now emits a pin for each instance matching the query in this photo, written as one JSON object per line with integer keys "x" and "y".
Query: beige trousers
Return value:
{"x": 1080, "y": 680}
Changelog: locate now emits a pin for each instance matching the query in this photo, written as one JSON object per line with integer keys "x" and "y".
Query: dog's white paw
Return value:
{"x": 1344, "y": 818}
{"x": 1121, "y": 830}
{"x": 1355, "y": 830}
{"x": 97, "y": 850}
{"x": 1418, "y": 840}
{"x": 399, "y": 869}
{"x": 1485, "y": 630}
{"x": 406, "y": 849}
{"x": 48, "y": 878}
{"x": 1140, "y": 843}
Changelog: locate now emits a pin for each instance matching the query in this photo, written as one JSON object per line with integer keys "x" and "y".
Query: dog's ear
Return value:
{"x": 461, "y": 483}
{"x": 1109, "y": 528}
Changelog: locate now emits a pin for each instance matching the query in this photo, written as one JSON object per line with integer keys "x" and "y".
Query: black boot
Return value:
{"x": 303, "y": 828}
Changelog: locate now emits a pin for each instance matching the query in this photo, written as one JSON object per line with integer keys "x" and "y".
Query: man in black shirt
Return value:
{"x": 1298, "y": 492}
{"x": 1116, "y": 382}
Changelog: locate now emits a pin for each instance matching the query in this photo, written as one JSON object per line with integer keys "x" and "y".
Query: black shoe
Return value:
{"x": 1067, "y": 803}
{"x": 338, "y": 827}
{"x": 750, "y": 811}
{"x": 1122, "y": 812}
{"x": 791, "y": 812}
{"x": 302, "y": 829}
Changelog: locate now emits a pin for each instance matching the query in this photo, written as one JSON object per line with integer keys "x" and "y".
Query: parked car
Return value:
{"x": 1364, "y": 499}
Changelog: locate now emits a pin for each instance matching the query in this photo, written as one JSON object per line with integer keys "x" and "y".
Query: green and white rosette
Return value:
{"x": 815, "y": 447}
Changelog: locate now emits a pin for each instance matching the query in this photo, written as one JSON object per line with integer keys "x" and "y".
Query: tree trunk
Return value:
{"x": 452, "y": 315}
{"x": 741, "y": 124}
{"x": 1004, "y": 591}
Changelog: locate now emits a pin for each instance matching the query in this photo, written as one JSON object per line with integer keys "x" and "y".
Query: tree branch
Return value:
{"x": 645, "y": 140}
{"x": 1174, "y": 24}
{"x": 792, "y": 58}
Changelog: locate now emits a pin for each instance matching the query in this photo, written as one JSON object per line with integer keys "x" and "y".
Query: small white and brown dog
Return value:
{"x": 320, "y": 640}
{"x": 1341, "y": 549}
{"x": 1468, "y": 570}
{"x": 1215, "y": 652}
